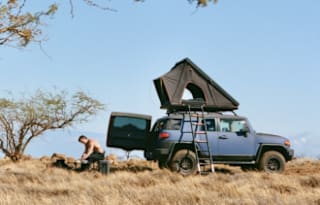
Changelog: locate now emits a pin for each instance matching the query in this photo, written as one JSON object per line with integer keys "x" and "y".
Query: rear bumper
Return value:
{"x": 156, "y": 154}
{"x": 160, "y": 151}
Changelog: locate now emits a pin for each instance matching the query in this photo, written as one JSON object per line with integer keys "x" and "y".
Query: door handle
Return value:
{"x": 223, "y": 137}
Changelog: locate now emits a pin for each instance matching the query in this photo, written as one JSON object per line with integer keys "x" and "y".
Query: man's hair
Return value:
{"x": 82, "y": 137}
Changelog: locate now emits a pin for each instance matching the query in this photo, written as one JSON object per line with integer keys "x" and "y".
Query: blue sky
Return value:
{"x": 265, "y": 54}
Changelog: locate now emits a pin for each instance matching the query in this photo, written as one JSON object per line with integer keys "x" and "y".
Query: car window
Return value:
{"x": 232, "y": 125}
{"x": 158, "y": 126}
{"x": 211, "y": 125}
{"x": 173, "y": 124}
{"x": 128, "y": 122}
{"x": 167, "y": 124}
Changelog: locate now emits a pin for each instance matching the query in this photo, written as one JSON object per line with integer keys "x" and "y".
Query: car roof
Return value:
{"x": 179, "y": 115}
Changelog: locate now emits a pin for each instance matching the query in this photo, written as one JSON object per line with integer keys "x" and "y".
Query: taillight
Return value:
{"x": 164, "y": 135}
{"x": 287, "y": 143}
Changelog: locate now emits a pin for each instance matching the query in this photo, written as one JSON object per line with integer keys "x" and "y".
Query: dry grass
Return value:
{"x": 139, "y": 182}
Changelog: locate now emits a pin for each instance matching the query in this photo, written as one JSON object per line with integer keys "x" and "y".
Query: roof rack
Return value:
{"x": 183, "y": 111}
{"x": 195, "y": 105}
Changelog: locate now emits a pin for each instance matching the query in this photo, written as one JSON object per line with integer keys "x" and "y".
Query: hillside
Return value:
{"x": 35, "y": 181}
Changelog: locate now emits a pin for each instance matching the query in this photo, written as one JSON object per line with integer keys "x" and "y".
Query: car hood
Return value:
{"x": 270, "y": 138}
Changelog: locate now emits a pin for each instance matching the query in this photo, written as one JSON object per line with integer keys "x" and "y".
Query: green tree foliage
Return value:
{"x": 19, "y": 27}
{"x": 22, "y": 120}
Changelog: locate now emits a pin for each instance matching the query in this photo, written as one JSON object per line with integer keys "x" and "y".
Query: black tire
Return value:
{"x": 272, "y": 162}
{"x": 184, "y": 161}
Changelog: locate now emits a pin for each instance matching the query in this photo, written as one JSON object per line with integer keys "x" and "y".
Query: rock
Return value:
{"x": 57, "y": 156}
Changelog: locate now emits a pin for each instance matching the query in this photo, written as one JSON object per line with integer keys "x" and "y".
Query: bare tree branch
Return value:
{"x": 20, "y": 27}
{"x": 25, "y": 119}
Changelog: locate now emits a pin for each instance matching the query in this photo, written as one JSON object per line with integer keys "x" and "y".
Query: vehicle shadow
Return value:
{"x": 135, "y": 167}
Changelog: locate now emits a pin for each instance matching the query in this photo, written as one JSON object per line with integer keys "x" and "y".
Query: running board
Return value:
{"x": 234, "y": 162}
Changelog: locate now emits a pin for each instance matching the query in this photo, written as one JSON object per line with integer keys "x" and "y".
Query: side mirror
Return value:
{"x": 245, "y": 129}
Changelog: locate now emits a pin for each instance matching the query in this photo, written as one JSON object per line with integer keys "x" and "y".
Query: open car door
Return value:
{"x": 128, "y": 131}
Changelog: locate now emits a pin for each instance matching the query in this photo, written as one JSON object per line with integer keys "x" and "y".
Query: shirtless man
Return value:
{"x": 93, "y": 151}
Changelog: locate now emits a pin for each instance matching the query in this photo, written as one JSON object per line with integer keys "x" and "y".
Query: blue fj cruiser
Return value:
{"x": 231, "y": 140}
{"x": 198, "y": 131}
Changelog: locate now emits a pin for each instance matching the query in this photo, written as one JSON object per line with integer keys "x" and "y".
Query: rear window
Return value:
{"x": 128, "y": 131}
{"x": 128, "y": 122}
{"x": 173, "y": 124}
{"x": 167, "y": 124}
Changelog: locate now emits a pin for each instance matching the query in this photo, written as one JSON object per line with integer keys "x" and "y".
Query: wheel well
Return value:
{"x": 181, "y": 146}
{"x": 279, "y": 149}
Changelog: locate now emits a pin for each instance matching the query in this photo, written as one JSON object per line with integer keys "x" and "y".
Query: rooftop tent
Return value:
{"x": 185, "y": 75}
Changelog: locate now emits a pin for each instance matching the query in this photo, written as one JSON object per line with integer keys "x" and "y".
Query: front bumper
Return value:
{"x": 290, "y": 154}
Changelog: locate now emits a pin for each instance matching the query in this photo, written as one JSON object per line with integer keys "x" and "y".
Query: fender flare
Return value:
{"x": 268, "y": 147}
{"x": 177, "y": 146}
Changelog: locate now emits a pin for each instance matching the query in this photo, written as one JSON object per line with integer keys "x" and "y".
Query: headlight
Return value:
{"x": 287, "y": 143}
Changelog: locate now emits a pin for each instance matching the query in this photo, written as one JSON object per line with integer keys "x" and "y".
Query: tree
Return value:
{"x": 24, "y": 119}
{"x": 19, "y": 27}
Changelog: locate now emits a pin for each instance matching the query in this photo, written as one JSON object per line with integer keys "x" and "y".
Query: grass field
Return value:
{"x": 36, "y": 181}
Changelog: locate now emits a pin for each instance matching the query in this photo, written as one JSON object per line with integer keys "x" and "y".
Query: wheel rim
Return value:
{"x": 273, "y": 164}
{"x": 186, "y": 164}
